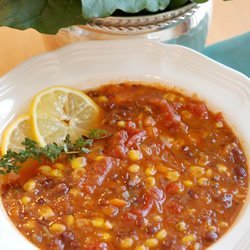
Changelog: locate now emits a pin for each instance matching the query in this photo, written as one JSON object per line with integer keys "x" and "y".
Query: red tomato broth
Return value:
{"x": 172, "y": 176}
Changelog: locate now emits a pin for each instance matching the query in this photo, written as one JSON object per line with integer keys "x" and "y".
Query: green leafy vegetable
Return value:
{"x": 10, "y": 162}
{"x": 176, "y": 4}
{"x": 104, "y": 8}
{"x": 46, "y": 16}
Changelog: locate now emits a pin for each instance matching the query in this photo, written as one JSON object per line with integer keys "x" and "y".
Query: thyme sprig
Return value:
{"x": 11, "y": 161}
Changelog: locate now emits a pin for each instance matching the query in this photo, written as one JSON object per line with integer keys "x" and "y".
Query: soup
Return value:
{"x": 171, "y": 175}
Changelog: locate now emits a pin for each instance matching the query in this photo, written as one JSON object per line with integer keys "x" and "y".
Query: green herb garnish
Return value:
{"x": 10, "y": 162}
{"x": 99, "y": 133}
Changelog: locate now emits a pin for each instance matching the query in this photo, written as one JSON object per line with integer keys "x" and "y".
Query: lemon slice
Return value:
{"x": 15, "y": 134}
{"x": 58, "y": 111}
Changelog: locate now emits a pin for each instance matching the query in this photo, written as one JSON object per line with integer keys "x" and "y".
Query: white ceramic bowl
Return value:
{"x": 89, "y": 64}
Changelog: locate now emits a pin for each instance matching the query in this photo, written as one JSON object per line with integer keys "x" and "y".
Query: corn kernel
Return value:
{"x": 99, "y": 158}
{"x": 142, "y": 247}
{"x": 212, "y": 228}
{"x": 149, "y": 181}
{"x": 75, "y": 192}
{"x": 157, "y": 218}
{"x": 134, "y": 155}
{"x": 97, "y": 222}
{"x": 29, "y": 185}
{"x": 134, "y": 168}
{"x": 127, "y": 242}
{"x": 103, "y": 98}
{"x": 29, "y": 225}
{"x": 150, "y": 171}
{"x": 188, "y": 183}
{"x": 181, "y": 226}
{"x": 45, "y": 170}
{"x": 161, "y": 168}
{"x": 191, "y": 212}
{"x": 151, "y": 242}
{"x": 78, "y": 162}
{"x": 108, "y": 225}
{"x": 223, "y": 224}
{"x": 46, "y": 212}
{"x": 221, "y": 168}
{"x": 57, "y": 228}
{"x": 189, "y": 239}
{"x": 118, "y": 202}
{"x": 121, "y": 124}
{"x": 197, "y": 171}
{"x": 106, "y": 236}
{"x": 219, "y": 124}
{"x": 25, "y": 200}
{"x": 203, "y": 182}
{"x": 161, "y": 235}
{"x": 172, "y": 175}
{"x": 56, "y": 173}
{"x": 209, "y": 173}
{"x": 59, "y": 166}
{"x": 70, "y": 220}
{"x": 170, "y": 97}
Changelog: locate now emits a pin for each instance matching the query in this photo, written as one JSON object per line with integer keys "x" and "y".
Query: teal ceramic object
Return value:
{"x": 235, "y": 53}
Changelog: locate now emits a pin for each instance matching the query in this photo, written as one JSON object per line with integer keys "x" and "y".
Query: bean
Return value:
{"x": 211, "y": 236}
{"x": 152, "y": 229}
{"x": 61, "y": 189}
{"x": 68, "y": 238}
{"x": 192, "y": 194}
{"x": 228, "y": 200}
{"x": 47, "y": 183}
{"x": 240, "y": 171}
{"x": 40, "y": 201}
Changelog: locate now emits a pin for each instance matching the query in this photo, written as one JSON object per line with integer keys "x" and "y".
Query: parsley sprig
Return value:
{"x": 11, "y": 161}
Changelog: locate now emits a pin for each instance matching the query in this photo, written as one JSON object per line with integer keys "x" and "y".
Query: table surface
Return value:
{"x": 230, "y": 18}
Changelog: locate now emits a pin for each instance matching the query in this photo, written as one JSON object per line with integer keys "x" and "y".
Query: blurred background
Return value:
{"x": 229, "y": 19}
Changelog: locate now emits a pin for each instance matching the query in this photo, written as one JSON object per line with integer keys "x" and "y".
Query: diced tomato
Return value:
{"x": 130, "y": 217}
{"x": 96, "y": 173}
{"x": 117, "y": 147}
{"x": 172, "y": 188}
{"x": 171, "y": 117}
{"x": 135, "y": 139}
{"x": 174, "y": 207}
{"x": 123, "y": 140}
{"x": 131, "y": 128}
{"x": 198, "y": 108}
{"x": 145, "y": 204}
{"x": 156, "y": 193}
{"x": 218, "y": 117}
